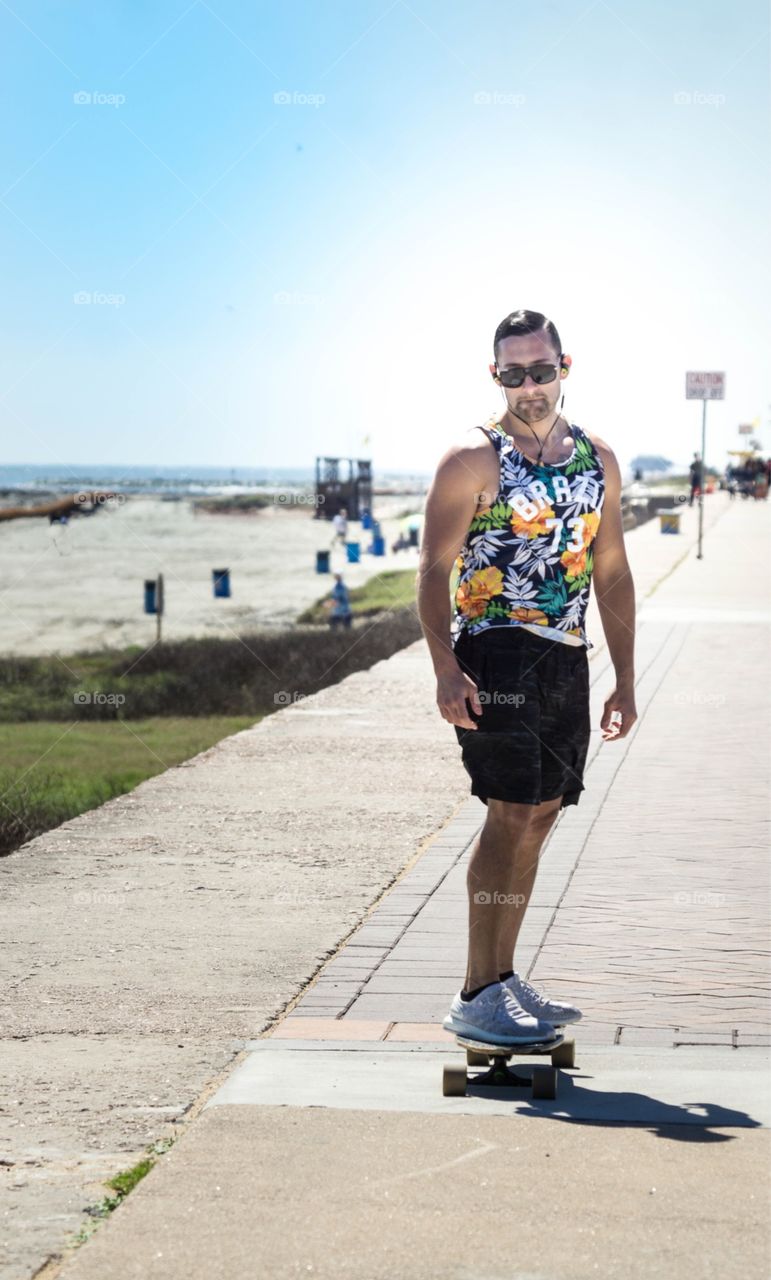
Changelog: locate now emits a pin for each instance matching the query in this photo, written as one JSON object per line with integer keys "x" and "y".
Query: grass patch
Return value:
{"x": 393, "y": 589}
{"x": 233, "y": 504}
{"x": 245, "y": 503}
{"x": 50, "y": 772}
{"x": 76, "y": 733}
{"x": 246, "y": 676}
{"x": 122, "y": 1184}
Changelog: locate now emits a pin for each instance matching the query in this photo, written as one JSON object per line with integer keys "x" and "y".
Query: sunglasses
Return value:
{"x": 540, "y": 373}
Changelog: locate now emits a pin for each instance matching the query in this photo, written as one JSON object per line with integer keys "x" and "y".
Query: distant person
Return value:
{"x": 340, "y": 523}
{"x": 340, "y": 615}
{"x": 695, "y": 474}
{"x": 59, "y": 529}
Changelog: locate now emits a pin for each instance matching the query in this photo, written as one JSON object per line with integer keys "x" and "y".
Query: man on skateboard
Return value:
{"x": 527, "y": 509}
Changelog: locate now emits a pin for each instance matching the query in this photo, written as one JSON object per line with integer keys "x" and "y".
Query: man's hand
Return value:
{"x": 452, "y": 689}
{"x": 619, "y": 713}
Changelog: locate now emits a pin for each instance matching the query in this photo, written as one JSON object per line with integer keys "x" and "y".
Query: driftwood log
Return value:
{"x": 84, "y": 503}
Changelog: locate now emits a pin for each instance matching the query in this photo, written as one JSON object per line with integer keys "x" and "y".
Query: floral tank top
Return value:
{"x": 527, "y": 560}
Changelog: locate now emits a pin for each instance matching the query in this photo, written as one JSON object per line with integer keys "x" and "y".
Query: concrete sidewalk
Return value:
{"x": 330, "y": 1150}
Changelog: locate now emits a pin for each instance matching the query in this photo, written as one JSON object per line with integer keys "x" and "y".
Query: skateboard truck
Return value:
{"x": 496, "y": 1057}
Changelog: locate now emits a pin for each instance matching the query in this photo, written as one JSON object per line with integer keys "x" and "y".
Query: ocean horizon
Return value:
{"x": 193, "y": 480}
{"x": 176, "y": 480}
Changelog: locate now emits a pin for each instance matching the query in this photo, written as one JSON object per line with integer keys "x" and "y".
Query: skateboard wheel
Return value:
{"x": 476, "y": 1059}
{"x": 564, "y": 1055}
{"x": 544, "y": 1082}
{"x": 454, "y": 1080}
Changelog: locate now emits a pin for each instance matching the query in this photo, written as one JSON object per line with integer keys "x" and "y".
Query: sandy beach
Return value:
{"x": 81, "y": 586}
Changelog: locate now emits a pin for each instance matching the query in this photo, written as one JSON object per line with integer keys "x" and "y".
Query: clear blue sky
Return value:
{"x": 272, "y": 279}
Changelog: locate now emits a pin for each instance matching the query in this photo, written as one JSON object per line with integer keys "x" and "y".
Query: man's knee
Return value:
{"x": 544, "y": 814}
{"x": 519, "y": 819}
{"x": 523, "y": 814}
{"x": 514, "y": 819}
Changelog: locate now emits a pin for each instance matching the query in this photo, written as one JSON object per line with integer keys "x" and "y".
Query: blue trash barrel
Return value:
{"x": 366, "y": 518}
{"x": 322, "y": 562}
{"x": 150, "y": 595}
{"x": 221, "y": 582}
{"x": 378, "y": 545}
{"x": 413, "y": 534}
{"x": 352, "y": 549}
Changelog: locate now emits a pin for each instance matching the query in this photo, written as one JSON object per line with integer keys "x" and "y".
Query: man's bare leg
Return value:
{"x": 488, "y": 879}
{"x": 524, "y": 869}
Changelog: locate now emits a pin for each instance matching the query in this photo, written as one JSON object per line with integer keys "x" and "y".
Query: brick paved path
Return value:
{"x": 651, "y": 904}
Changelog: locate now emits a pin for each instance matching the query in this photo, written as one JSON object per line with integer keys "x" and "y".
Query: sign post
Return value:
{"x": 159, "y": 606}
{"x": 704, "y": 387}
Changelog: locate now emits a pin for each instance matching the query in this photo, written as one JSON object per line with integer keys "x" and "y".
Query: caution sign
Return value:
{"x": 705, "y": 386}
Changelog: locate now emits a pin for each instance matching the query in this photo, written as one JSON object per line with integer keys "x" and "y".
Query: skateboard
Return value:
{"x": 542, "y": 1080}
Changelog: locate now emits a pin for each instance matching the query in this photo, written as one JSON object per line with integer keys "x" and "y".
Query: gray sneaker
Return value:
{"x": 558, "y": 1012}
{"x": 495, "y": 1016}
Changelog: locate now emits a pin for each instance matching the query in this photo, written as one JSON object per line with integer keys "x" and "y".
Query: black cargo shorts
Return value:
{"x": 533, "y": 733}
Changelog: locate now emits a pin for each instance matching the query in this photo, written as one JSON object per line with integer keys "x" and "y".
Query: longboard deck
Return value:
{"x": 499, "y": 1050}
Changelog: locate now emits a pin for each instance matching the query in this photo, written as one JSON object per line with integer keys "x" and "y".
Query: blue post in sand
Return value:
{"x": 366, "y": 518}
{"x": 154, "y": 601}
{"x": 221, "y": 582}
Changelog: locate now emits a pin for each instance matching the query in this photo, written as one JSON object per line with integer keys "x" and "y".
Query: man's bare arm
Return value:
{"x": 614, "y": 589}
{"x": 455, "y": 494}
